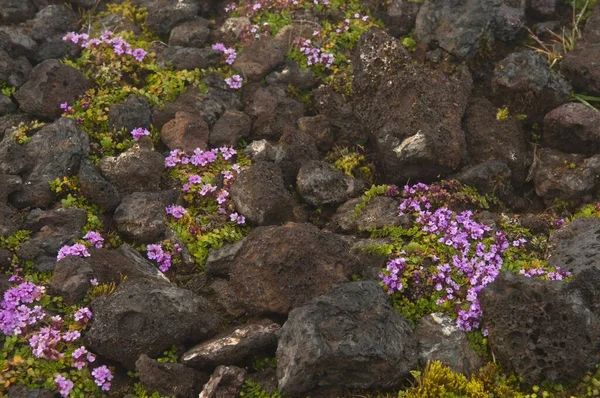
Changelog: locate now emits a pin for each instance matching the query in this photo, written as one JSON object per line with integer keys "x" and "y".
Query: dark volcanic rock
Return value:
{"x": 186, "y": 132}
{"x": 225, "y": 382}
{"x": 565, "y": 176}
{"x": 50, "y": 84}
{"x": 192, "y": 33}
{"x": 21, "y": 391}
{"x": 439, "y": 339}
{"x": 320, "y": 184}
{"x": 399, "y": 16}
{"x": 164, "y": 15}
{"x": 6, "y": 105}
{"x": 9, "y": 184}
{"x": 13, "y": 11}
{"x": 463, "y": 27}
{"x": 169, "y": 379}
{"x": 525, "y": 82}
{"x": 141, "y": 217}
{"x": 295, "y": 149}
{"x": 491, "y": 177}
{"x": 380, "y": 212}
{"x": 146, "y": 317}
{"x": 540, "y": 329}
{"x": 320, "y": 129}
{"x": 259, "y": 58}
{"x": 96, "y": 188}
{"x": 573, "y": 128}
{"x": 53, "y": 20}
{"x": 219, "y": 261}
{"x": 576, "y": 246}
{"x": 231, "y": 127}
{"x": 188, "y": 57}
{"x": 280, "y": 268}
{"x": 260, "y": 195}
{"x": 134, "y": 112}
{"x": 350, "y": 338}
{"x": 13, "y": 72}
{"x": 413, "y": 114}
{"x": 490, "y": 139}
{"x": 346, "y": 127}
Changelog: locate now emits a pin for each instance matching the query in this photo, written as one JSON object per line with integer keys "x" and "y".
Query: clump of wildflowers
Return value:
{"x": 229, "y": 53}
{"x": 16, "y": 317}
{"x": 95, "y": 239}
{"x": 164, "y": 256}
{"x": 63, "y": 385}
{"x": 118, "y": 44}
{"x": 139, "y": 133}
{"x": 77, "y": 249}
{"x": 234, "y": 82}
{"x": 102, "y": 377}
{"x": 314, "y": 54}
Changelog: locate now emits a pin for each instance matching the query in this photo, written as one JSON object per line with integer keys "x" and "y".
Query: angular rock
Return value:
{"x": 346, "y": 127}
{"x": 463, "y": 27}
{"x": 271, "y": 111}
{"x": 439, "y": 339}
{"x": 225, "y": 382}
{"x": 96, "y": 188}
{"x": 381, "y": 211}
{"x": 349, "y": 338}
{"x": 53, "y": 20}
{"x": 399, "y": 17}
{"x": 55, "y": 48}
{"x": 234, "y": 348}
{"x": 586, "y": 284}
{"x": 230, "y": 129}
{"x": 543, "y": 8}
{"x": 50, "y": 84}
{"x": 53, "y": 152}
{"x": 259, "y": 58}
{"x": 192, "y": 33}
{"x": 491, "y": 177}
{"x": 22, "y": 391}
{"x": 573, "y": 128}
{"x": 219, "y": 261}
{"x": 280, "y": 268}
{"x": 138, "y": 169}
{"x": 260, "y": 195}
{"x": 141, "y": 217}
{"x": 539, "y": 329}
{"x": 413, "y": 114}
{"x": 186, "y": 132}
{"x": 320, "y": 184}
{"x": 292, "y": 74}
{"x": 9, "y": 184}
{"x": 295, "y": 149}
{"x": 14, "y": 11}
{"x": 13, "y": 72}
{"x": 576, "y": 246}
{"x": 490, "y": 139}
{"x": 134, "y": 112}
{"x": 525, "y": 83}
{"x": 319, "y": 128}
{"x": 147, "y": 317}
{"x": 230, "y": 31}
{"x": 6, "y": 105}
{"x": 169, "y": 379}
{"x": 565, "y": 176}
{"x": 17, "y": 42}
{"x": 164, "y": 15}
{"x": 71, "y": 279}
{"x": 188, "y": 57}
{"x": 261, "y": 151}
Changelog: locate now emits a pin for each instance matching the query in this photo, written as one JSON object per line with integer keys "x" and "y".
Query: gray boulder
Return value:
{"x": 576, "y": 246}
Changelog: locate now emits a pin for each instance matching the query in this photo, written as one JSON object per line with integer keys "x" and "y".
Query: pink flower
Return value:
{"x": 139, "y": 133}
{"x": 64, "y": 385}
{"x": 139, "y": 54}
{"x": 176, "y": 211}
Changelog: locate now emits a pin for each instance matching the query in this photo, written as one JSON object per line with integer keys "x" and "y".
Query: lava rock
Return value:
{"x": 96, "y": 188}
{"x": 413, "y": 114}
{"x": 186, "y": 132}
{"x": 295, "y": 149}
{"x": 400, "y": 16}
{"x": 320, "y": 184}
{"x": 491, "y": 177}
{"x": 576, "y": 246}
{"x": 542, "y": 8}
{"x": 232, "y": 349}
{"x": 271, "y": 111}
{"x": 565, "y": 176}
{"x": 462, "y": 27}
{"x": 539, "y": 329}
{"x": 190, "y": 58}
{"x": 490, "y": 139}
{"x": 169, "y": 379}
{"x": 381, "y": 211}
{"x": 17, "y": 42}
{"x": 53, "y": 152}
{"x": 225, "y": 382}
{"x": 232, "y": 127}
{"x": 9, "y": 184}
{"x": 50, "y": 84}
{"x": 350, "y": 338}
{"x": 260, "y": 195}
{"x": 346, "y": 127}
{"x": 259, "y": 58}
{"x": 22, "y": 391}
{"x": 164, "y": 15}
{"x": 133, "y": 113}
{"x": 147, "y": 317}
{"x": 525, "y": 82}
{"x": 6, "y": 105}
{"x": 138, "y": 169}
{"x": 141, "y": 217}
{"x": 219, "y": 261}
{"x": 53, "y": 20}
{"x": 586, "y": 284}
{"x": 441, "y": 340}
{"x": 280, "y": 268}
{"x": 71, "y": 279}
{"x": 292, "y": 74}
{"x": 15, "y": 11}
{"x": 320, "y": 129}
{"x": 13, "y": 72}
{"x": 192, "y": 33}
{"x": 573, "y": 128}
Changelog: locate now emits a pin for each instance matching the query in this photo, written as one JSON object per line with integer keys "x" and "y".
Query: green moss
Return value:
{"x": 7, "y": 90}
{"x": 169, "y": 356}
{"x": 369, "y": 195}
{"x": 352, "y": 162}
{"x": 67, "y": 190}
{"x": 252, "y": 389}
{"x": 15, "y": 241}
{"x": 262, "y": 363}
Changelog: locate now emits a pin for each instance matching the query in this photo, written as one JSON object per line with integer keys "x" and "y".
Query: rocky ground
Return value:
{"x": 291, "y": 198}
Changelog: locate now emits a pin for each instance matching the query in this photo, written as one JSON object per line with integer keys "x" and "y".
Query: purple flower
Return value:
{"x": 64, "y": 385}
{"x": 94, "y": 282}
{"x": 234, "y": 82}
{"x": 139, "y": 133}
{"x": 176, "y": 211}
{"x": 102, "y": 377}
{"x": 237, "y": 218}
{"x": 83, "y": 315}
{"x": 222, "y": 197}
{"x": 154, "y": 252}
{"x": 95, "y": 239}
{"x": 219, "y": 47}
{"x": 71, "y": 336}
{"x": 194, "y": 179}
{"x": 139, "y": 54}
{"x": 44, "y": 344}
{"x": 75, "y": 250}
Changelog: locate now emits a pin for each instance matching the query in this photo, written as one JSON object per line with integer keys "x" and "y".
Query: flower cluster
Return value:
{"x": 95, "y": 239}
{"x": 63, "y": 385}
{"x": 77, "y": 249}
{"x": 15, "y": 316}
{"x": 162, "y": 256}
{"x": 80, "y": 356}
{"x": 315, "y": 55}
{"x": 102, "y": 377}
{"x": 176, "y": 211}
{"x": 234, "y": 82}
{"x": 139, "y": 133}
{"x": 229, "y": 53}
{"x": 557, "y": 275}
{"x": 119, "y": 45}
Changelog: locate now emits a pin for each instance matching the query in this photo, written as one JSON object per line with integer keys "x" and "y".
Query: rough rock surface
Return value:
{"x": 259, "y": 58}
{"x": 260, "y": 195}
{"x": 50, "y": 84}
{"x": 147, "y": 317}
{"x": 381, "y": 211}
{"x": 141, "y": 217}
{"x": 280, "y": 268}
{"x": 132, "y": 113}
{"x": 350, "y": 338}
{"x": 573, "y": 128}
{"x": 576, "y": 246}
{"x": 539, "y": 329}
{"x": 320, "y": 184}
{"x": 169, "y": 379}
{"x": 231, "y": 127}
{"x": 225, "y": 382}
{"x": 96, "y": 188}
{"x": 413, "y": 114}
{"x": 186, "y": 132}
